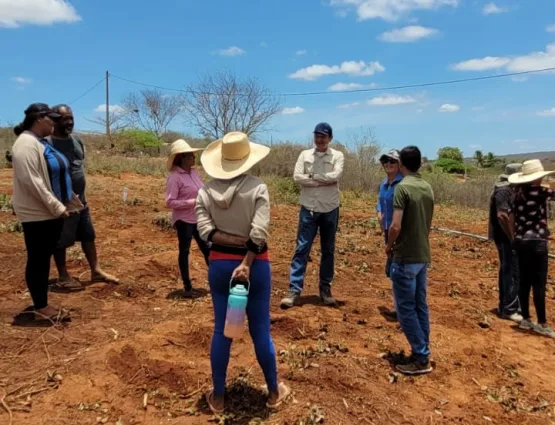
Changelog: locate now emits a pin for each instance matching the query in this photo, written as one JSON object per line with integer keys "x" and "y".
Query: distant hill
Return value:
{"x": 547, "y": 157}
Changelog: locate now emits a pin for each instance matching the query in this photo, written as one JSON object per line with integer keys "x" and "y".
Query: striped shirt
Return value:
{"x": 58, "y": 171}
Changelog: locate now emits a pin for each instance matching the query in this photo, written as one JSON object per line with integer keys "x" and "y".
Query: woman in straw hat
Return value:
{"x": 233, "y": 212}
{"x": 530, "y": 239}
{"x": 182, "y": 189}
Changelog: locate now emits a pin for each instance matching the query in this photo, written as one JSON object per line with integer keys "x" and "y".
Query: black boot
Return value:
{"x": 326, "y": 297}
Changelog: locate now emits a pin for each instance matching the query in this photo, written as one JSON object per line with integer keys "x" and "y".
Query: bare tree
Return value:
{"x": 152, "y": 110}
{"x": 221, "y": 103}
{"x": 118, "y": 120}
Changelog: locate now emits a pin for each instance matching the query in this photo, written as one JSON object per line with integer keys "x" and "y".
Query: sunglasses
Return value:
{"x": 389, "y": 161}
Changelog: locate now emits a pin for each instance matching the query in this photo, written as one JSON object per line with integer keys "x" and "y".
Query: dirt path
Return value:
{"x": 131, "y": 346}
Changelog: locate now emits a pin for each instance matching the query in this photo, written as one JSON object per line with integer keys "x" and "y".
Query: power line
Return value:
{"x": 389, "y": 88}
{"x": 87, "y": 92}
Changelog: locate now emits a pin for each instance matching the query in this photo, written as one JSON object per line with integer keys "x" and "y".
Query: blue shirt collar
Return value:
{"x": 397, "y": 179}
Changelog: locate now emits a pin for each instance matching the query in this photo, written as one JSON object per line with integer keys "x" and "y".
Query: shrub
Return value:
{"x": 451, "y": 166}
{"x": 134, "y": 139}
{"x": 164, "y": 222}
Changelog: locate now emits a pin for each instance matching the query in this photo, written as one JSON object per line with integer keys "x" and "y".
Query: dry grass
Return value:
{"x": 362, "y": 175}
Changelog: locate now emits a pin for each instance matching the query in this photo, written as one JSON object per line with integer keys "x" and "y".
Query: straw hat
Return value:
{"x": 532, "y": 170}
{"x": 232, "y": 156}
{"x": 179, "y": 146}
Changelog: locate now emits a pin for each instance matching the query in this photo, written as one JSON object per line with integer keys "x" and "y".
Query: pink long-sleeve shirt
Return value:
{"x": 181, "y": 193}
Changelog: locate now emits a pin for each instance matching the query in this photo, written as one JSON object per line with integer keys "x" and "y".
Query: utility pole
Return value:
{"x": 108, "y": 134}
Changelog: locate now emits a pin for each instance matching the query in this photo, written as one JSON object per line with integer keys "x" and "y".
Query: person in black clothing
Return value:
{"x": 79, "y": 226}
{"x": 500, "y": 232}
{"x": 531, "y": 235}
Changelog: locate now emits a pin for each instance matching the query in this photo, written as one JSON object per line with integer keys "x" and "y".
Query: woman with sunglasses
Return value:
{"x": 390, "y": 163}
{"x": 182, "y": 189}
{"x": 42, "y": 196}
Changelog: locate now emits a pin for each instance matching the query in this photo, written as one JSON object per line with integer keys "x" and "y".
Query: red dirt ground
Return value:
{"x": 134, "y": 355}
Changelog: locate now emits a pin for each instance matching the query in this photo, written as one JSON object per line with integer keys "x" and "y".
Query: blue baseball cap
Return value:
{"x": 324, "y": 128}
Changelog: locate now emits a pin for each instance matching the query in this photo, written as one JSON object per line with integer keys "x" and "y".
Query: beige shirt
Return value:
{"x": 319, "y": 173}
{"x": 239, "y": 207}
{"x": 33, "y": 198}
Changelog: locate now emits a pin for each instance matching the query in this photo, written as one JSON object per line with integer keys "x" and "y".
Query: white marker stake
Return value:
{"x": 124, "y": 197}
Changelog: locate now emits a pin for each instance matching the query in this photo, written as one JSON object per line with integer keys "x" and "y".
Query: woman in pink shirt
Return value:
{"x": 182, "y": 188}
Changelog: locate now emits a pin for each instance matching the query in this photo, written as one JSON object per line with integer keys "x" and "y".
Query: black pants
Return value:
{"x": 509, "y": 278}
{"x": 41, "y": 238}
{"x": 532, "y": 262}
{"x": 185, "y": 234}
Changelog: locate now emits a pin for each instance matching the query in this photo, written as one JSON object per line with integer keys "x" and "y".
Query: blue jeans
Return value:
{"x": 508, "y": 279}
{"x": 409, "y": 288}
{"x": 258, "y": 313}
{"x": 309, "y": 224}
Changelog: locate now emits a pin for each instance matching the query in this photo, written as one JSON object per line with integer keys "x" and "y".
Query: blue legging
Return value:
{"x": 258, "y": 313}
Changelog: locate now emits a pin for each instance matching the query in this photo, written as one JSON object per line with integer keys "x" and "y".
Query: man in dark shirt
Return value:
{"x": 409, "y": 246}
{"x": 78, "y": 226}
{"x": 500, "y": 231}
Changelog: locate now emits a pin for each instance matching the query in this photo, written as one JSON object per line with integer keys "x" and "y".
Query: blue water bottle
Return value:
{"x": 236, "y": 309}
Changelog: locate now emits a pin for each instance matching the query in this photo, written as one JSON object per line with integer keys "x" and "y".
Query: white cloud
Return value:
{"x": 390, "y": 10}
{"x": 348, "y": 105}
{"x": 352, "y": 68}
{"x": 550, "y": 28}
{"x": 475, "y": 146}
{"x": 489, "y": 62}
{"x": 292, "y": 111}
{"x": 22, "y": 80}
{"x": 493, "y": 9}
{"x": 115, "y": 109}
{"x": 547, "y": 113}
{"x": 351, "y": 86}
{"x": 231, "y": 51}
{"x": 390, "y": 99}
{"x": 300, "y": 52}
{"x": 448, "y": 107}
{"x": 408, "y": 34}
{"x": 15, "y": 13}
{"x": 530, "y": 62}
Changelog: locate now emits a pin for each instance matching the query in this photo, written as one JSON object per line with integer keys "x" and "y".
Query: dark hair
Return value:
{"x": 177, "y": 160}
{"x": 33, "y": 112}
{"x": 411, "y": 158}
{"x": 26, "y": 124}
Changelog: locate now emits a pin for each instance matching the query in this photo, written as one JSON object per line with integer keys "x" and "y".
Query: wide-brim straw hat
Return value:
{"x": 179, "y": 146}
{"x": 532, "y": 170}
{"x": 231, "y": 156}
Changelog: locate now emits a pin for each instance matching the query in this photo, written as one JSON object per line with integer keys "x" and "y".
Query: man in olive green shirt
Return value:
{"x": 409, "y": 246}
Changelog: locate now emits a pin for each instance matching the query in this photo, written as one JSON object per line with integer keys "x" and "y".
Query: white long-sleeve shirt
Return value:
{"x": 319, "y": 173}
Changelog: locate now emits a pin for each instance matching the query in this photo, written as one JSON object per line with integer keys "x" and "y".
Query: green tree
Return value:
{"x": 479, "y": 158}
{"x": 449, "y": 152}
{"x": 450, "y": 166}
{"x": 490, "y": 160}
{"x": 137, "y": 139}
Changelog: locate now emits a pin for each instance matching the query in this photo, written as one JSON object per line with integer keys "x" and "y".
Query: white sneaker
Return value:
{"x": 515, "y": 317}
{"x": 544, "y": 330}
{"x": 526, "y": 325}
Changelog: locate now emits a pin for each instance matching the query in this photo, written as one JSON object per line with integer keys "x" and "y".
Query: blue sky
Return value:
{"x": 53, "y": 51}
